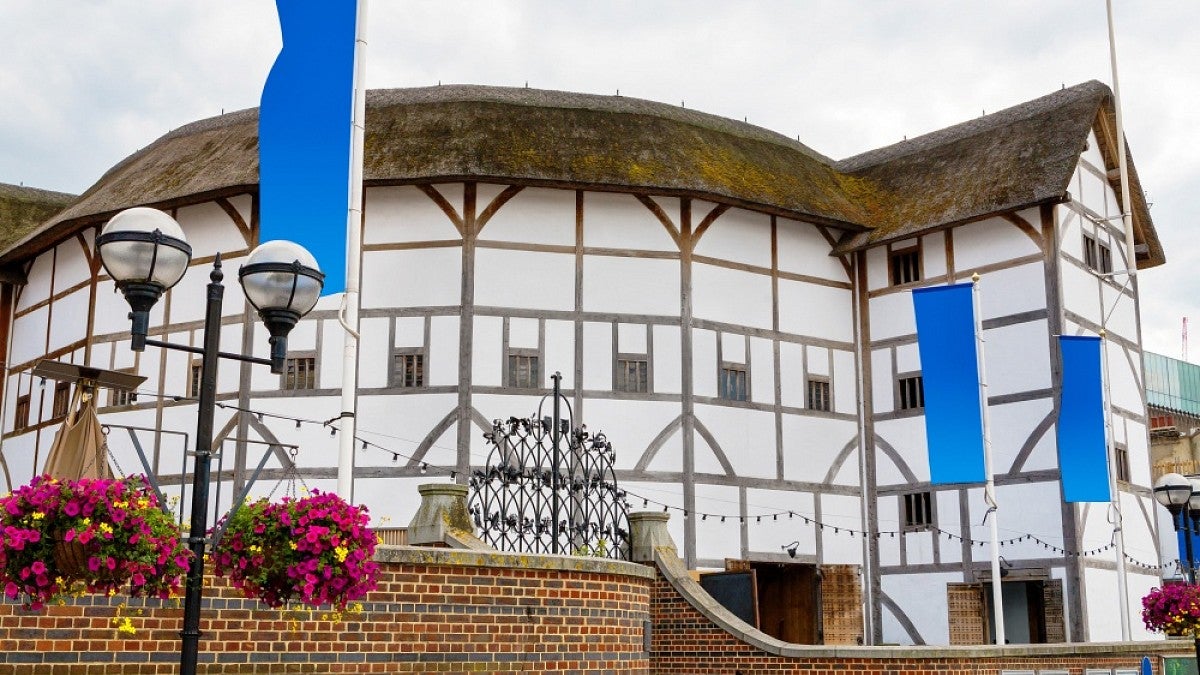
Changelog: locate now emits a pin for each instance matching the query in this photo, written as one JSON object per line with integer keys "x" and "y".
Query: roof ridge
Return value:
{"x": 974, "y": 127}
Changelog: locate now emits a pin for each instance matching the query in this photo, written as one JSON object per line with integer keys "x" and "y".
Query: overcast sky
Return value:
{"x": 84, "y": 83}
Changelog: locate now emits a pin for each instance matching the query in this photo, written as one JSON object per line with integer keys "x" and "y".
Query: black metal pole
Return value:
{"x": 556, "y": 460}
{"x": 204, "y": 427}
{"x": 1189, "y": 574}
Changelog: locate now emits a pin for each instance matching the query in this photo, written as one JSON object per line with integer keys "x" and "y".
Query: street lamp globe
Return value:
{"x": 282, "y": 281}
{"x": 145, "y": 252}
{"x": 1173, "y": 490}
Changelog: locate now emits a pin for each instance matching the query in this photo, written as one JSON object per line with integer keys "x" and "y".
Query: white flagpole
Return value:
{"x": 348, "y": 316}
{"x": 989, "y": 490}
{"x": 1131, "y": 268}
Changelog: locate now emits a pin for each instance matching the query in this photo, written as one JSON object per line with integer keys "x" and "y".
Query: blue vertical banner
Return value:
{"x": 1082, "y": 450}
{"x": 950, "y": 373}
{"x": 304, "y": 133}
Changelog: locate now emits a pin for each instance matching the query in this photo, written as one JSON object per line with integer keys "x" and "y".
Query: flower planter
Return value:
{"x": 70, "y": 559}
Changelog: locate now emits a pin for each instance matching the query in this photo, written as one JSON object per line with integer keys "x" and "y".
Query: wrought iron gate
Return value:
{"x": 536, "y": 496}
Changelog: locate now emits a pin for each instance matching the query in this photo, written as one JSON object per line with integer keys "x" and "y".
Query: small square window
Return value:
{"x": 905, "y": 266}
{"x": 122, "y": 397}
{"x": 911, "y": 393}
{"x": 732, "y": 384}
{"x": 408, "y": 370}
{"x": 633, "y": 374}
{"x": 1097, "y": 255}
{"x": 299, "y": 372}
{"x": 918, "y": 510}
{"x": 524, "y": 371}
{"x": 818, "y": 394}
{"x": 62, "y": 399}
{"x": 1121, "y": 456}
{"x": 194, "y": 377}
{"x": 21, "y": 416}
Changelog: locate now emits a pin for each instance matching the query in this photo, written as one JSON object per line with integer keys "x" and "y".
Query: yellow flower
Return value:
{"x": 87, "y": 521}
{"x": 125, "y": 625}
{"x": 106, "y": 528}
{"x": 292, "y": 544}
{"x": 38, "y": 515}
{"x": 255, "y": 548}
{"x": 341, "y": 552}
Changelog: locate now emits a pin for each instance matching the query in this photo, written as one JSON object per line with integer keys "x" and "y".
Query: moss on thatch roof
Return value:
{"x": 1015, "y": 158}
{"x": 23, "y": 209}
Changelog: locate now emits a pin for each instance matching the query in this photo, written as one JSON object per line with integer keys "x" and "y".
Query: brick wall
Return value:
{"x": 435, "y": 610}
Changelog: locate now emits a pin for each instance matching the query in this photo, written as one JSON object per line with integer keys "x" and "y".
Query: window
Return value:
{"x": 524, "y": 371}
{"x": 300, "y": 372}
{"x": 408, "y": 369}
{"x": 910, "y": 393}
{"x": 906, "y": 266}
{"x": 21, "y": 417}
{"x": 732, "y": 382}
{"x": 194, "y": 373}
{"x": 918, "y": 510}
{"x": 1121, "y": 455}
{"x": 818, "y": 394}
{"x": 633, "y": 374}
{"x": 1097, "y": 255}
{"x": 120, "y": 397}
{"x": 62, "y": 399}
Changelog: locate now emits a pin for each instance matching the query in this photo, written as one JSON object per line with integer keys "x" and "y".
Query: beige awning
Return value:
{"x": 79, "y": 449}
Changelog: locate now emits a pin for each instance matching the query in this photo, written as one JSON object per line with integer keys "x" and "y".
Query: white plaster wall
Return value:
{"x": 534, "y": 215}
{"x": 667, "y": 360}
{"x": 630, "y": 285}
{"x": 1079, "y": 293}
{"x": 918, "y": 547}
{"x": 526, "y": 279}
{"x": 838, "y": 513}
{"x": 768, "y": 532}
{"x": 714, "y": 539}
{"x": 415, "y": 278}
{"x": 70, "y": 264}
{"x": 811, "y": 445}
{"x": 923, "y": 600}
{"x": 737, "y": 235}
{"x": 1024, "y": 508}
{"x": 881, "y": 381}
{"x": 877, "y": 268}
{"x": 993, "y": 240}
{"x": 487, "y": 347}
{"x": 907, "y": 436}
{"x": 892, "y": 315}
{"x": 1121, "y": 311}
{"x": 762, "y": 367}
{"x": 630, "y": 425}
{"x": 802, "y": 250}
{"x": 933, "y": 255}
{"x": 37, "y": 284}
{"x": 597, "y": 356}
{"x": 443, "y": 351}
{"x": 1017, "y": 358}
{"x": 405, "y": 214}
{"x": 620, "y": 221}
{"x": 731, "y": 296}
{"x": 946, "y": 503}
{"x": 560, "y": 352}
{"x": 791, "y": 374}
{"x": 746, "y": 436}
{"x": 29, "y": 336}
{"x": 1012, "y": 291}
{"x": 374, "y": 353}
{"x": 888, "y": 513}
{"x": 815, "y": 311}
{"x": 704, "y": 363}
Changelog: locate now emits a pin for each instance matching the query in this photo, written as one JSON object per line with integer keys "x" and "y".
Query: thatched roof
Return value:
{"x": 1015, "y": 158}
{"x": 23, "y": 209}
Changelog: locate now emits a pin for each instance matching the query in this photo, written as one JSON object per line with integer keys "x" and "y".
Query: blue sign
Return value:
{"x": 1082, "y": 450}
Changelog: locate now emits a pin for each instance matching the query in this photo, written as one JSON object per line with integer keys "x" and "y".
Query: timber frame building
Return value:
{"x": 731, "y": 307}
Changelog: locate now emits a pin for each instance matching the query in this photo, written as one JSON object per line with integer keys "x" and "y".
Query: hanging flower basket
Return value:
{"x": 109, "y": 536}
{"x": 316, "y": 550}
{"x": 1173, "y": 610}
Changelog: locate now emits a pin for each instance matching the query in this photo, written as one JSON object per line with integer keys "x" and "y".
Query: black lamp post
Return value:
{"x": 1174, "y": 492}
{"x": 145, "y": 252}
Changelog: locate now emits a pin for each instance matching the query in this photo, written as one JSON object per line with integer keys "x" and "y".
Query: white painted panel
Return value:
{"x": 631, "y": 338}
{"x": 612, "y": 220}
{"x": 524, "y": 279}
{"x": 817, "y": 311}
{"x": 630, "y": 425}
{"x": 101, "y": 353}
{"x": 802, "y": 250}
{"x": 908, "y": 358}
{"x": 523, "y": 333}
{"x": 1121, "y": 311}
{"x": 486, "y": 357}
{"x": 762, "y": 371}
{"x": 945, "y": 503}
{"x": 907, "y": 436}
{"x": 922, "y": 598}
{"x": 731, "y": 296}
{"x": 1091, "y": 153}
{"x": 209, "y": 229}
{"x": 631, "y": 285}
{"x": 71, "y": 265}
{"x": 738, "y": 235}
{"x": 303, "y": 337}
{"x": 29, "y": 335}
{"x": 111, "y": 310}
{"x": 329, "y": 374}
{"x": 990, "y": 241}
{"x": 420, "y": 413}
{"x": 1071, "y": 226}
{"x": 715, "y": 540}
{"x": 69, "y": 319}
{"x": 667, "y": 360}
{"x": 392, "y": 502}
{"x": 892, "y": 315}
{"x": 37, "y": 285}
{"x": 1012, "y": 291}
{"x": 661, "y": 492}
{"x": 933, "y": 255}
{"x": 1094, "y": 189}
{"x": 769, "y": 535}
{"x": 229, "y": 375}
{"x": 414, "y": 278}
{"x": 877, "y": 268}
{"x": 838, "y": 513}
{"x": 535, "y": 215}
{"x": 733, "y": 347}
{"x": 442, "y": 364}
{"x": 374, "y": 353}
{"x": 812, "y": 446}
{"x": 791, "y": 374}
{"x": 1018, "y": 358}
{"x": 845, "y": 383}
{"x": 818, "y": 360}
{"x": 597, "y": 356}
{"x": 881, "y": 380}
{"x": 1079, "y": 293}
{"x": 747, "y": 438}
{"x": 1123, "y": 387}
{"x": 560, "y": 352}
{"x": 918, "y": 547}
{"x": 1025, "y": 508}
{"x": 889, "y": 518}
{"x": 403, "y": 214}
{"x": 704, "y": 363}
{"x": 1012, "y": 424}
{"x": 410, "y": 331}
